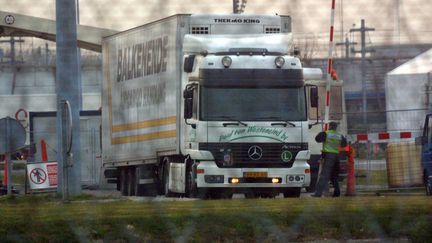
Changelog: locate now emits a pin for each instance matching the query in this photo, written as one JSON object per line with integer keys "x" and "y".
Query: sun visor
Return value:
{"x": 278, "y": 43}
{"x": 312, "y": 73}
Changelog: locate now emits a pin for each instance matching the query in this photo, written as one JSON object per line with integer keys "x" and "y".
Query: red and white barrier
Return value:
{"x": 329, "y": 67}
{"x": 382, "y": 136}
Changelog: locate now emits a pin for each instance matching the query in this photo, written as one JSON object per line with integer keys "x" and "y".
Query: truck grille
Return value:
{"x": 254, "y": 154}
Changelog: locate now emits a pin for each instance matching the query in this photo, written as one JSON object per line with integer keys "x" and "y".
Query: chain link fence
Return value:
{"x": 42, "y": 147}
{"x": 390, "y": 159}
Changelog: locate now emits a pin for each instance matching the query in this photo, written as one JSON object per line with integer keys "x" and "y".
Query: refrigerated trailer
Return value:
{"x": 207, "y": 106}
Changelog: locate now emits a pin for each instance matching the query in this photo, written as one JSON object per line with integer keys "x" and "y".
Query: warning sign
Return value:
{"x": 38, "y": 176}
{"x": 42, "y": 175}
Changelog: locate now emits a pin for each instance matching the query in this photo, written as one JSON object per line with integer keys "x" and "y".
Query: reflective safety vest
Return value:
{"x": 332, "y": 142}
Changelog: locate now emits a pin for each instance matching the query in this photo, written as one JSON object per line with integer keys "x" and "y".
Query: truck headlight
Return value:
{"x": 279, "y": 61}
{"x": 226, "y": 61}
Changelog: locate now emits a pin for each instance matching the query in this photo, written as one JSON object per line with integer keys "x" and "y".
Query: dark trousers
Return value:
{"x": 329, "y": 172}
{"x": 335, "y": 179}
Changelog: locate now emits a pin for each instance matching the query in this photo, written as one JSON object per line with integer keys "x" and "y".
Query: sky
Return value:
{"x": 403, "y": 21}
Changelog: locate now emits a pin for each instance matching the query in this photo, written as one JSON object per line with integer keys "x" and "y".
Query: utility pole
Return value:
{"x": 68, "y": 92}
{"x": 347, "y": 45}
{"x": 363, "y": 52}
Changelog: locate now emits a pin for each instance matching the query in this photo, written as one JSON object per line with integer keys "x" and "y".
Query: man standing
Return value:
{"x": 331, "y": 140}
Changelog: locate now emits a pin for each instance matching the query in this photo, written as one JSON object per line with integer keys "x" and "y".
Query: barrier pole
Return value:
{"x": 329, "y": 67}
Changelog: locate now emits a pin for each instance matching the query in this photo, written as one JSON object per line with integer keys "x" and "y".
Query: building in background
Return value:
{"x": 409, "y": 88}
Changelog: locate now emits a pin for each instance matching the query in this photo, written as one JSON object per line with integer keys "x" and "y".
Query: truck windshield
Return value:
{"x": 253, "y": 104}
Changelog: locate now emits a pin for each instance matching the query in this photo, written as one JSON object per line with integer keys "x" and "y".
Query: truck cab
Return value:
{"x": 245, "y": 115}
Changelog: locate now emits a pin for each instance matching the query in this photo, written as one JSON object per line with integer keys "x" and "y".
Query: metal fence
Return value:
{"x": 389, "y": 159}
{"x": 387, "y": 166}
{"x": 42, "y": 147}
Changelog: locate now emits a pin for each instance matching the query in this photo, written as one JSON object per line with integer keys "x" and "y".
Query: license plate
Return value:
{"x": 255, "y": 174}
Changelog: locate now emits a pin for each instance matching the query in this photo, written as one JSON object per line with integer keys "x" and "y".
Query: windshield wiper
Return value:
{"x": 283, "y": 123}
{"x": 231, "y": 119}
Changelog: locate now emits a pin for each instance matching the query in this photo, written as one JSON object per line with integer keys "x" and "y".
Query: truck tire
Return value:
{"x": 292, "y": 192}
{"x": 123, "y": 181}
{"x": 131, "y": 181}
{"x": 191, "y": 187}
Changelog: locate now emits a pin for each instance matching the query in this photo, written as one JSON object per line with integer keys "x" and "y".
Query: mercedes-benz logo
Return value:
{"x": 255, "y": 152}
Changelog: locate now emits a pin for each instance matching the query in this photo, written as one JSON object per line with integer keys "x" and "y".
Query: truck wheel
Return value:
{"x": 123, "y": 181}
{"x": 292, "y": 192}
{"x": 131, "y": 181}
{"x": 191, "y": 187}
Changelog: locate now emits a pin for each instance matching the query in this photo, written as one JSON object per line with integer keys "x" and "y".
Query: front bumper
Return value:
{"x": 296, "y": 176}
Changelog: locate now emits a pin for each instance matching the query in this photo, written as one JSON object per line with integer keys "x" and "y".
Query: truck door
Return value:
{"x": 427, "y": 153}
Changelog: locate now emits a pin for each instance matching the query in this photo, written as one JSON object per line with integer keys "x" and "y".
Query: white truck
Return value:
{"x": 206, "y": 106}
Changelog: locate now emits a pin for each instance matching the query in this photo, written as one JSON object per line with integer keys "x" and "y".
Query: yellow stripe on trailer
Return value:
{"x": 144, "y": 137}
{"x": 144, "y": 124}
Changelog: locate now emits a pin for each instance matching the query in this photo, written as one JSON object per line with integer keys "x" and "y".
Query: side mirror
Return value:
{"x": 314, "y": 97}
{"x": 421, "y": 140}
{"x": 188, "y": 102}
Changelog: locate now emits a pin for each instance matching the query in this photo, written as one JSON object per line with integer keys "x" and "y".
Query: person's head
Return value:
{"x": 333, "y": 125}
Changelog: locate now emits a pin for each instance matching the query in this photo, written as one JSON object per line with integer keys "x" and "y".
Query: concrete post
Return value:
{"x": 68, "y": 84}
